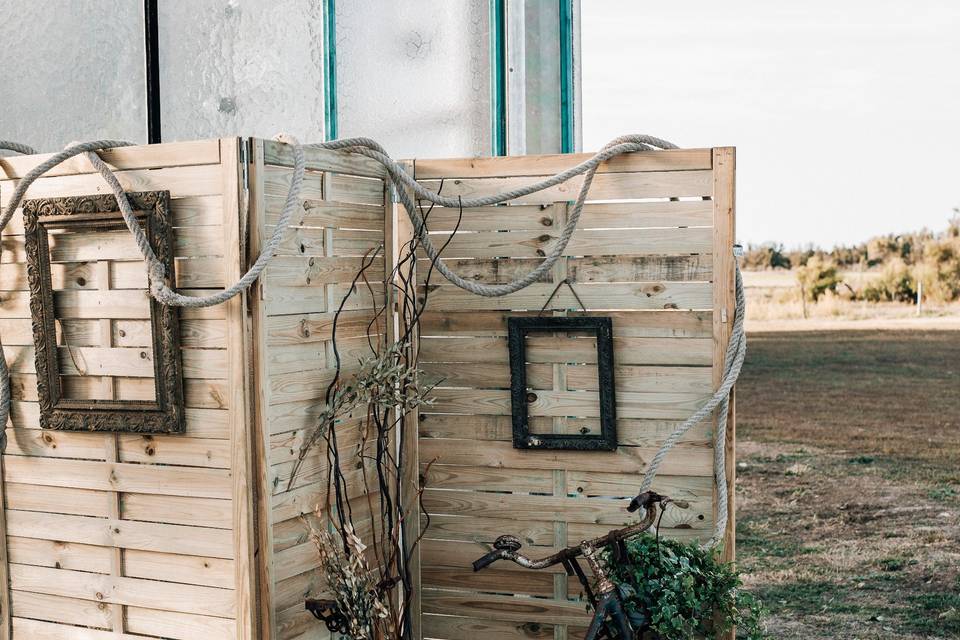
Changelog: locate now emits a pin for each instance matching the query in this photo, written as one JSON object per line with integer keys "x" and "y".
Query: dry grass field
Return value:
{"x": 849, "y": 482}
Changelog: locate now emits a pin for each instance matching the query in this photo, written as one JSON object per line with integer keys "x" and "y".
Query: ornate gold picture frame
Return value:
{"x": 164, "y": 413}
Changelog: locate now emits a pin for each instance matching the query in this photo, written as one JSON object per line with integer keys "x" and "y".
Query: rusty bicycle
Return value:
{"x": 603, "y": 595}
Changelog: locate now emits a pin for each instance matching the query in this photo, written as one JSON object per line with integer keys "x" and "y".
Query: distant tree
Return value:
{"x": 896, "y": 284}
{"x": 766, "y": 256}
{"x": 816, "y": 277}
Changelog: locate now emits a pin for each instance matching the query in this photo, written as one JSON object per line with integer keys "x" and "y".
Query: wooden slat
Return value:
{"x": 325, "y": 213}
{"x": 642, "y": 433}
{"x": 640, "y": 351}
{"x": 180, "y": 626}
{"x": 630, "y": 379}
{"x": 135, "y": 478}
{"x": 38, "y": 630}
{"x": 641, "y": 296}
{"x": 581, "y": 270}
{"x": 126, "y": 534}
{"x": 189, "y": 273}
{"x": 126, "y": 362}
{"x": 605, "y": 186}
{"x": 127, "y": 591}
{"x": 543, "y": 218}
{"x": 626, "y": 324}
{"x": 38, "y": 606}
{"x": 585, "y": 242}
{"x": 458, "y": 627}
{"x": 197, "y": 512}
{"x": 310, "y": 272}
{"x": 502, "y": 454}
{"x": 669, "y": 160}
{"x": 198, "y": 180}
{"x": 279, "y": 153}
{"x": 154, "y": 156}
{"x": 317, "y": 327}
{"x": 504, "y": 608}
{"x": 609, "y": 513}
{"x": 100, "y": 304}
{"x": 582, "y": 404}
{"x": 198, "y": 570}
{"x": 196, "y": 334}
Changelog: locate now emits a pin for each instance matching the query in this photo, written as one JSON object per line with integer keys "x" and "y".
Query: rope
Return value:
{"x": 401, "y": 179}
{"x": 733, "y": 362}
{"x": 407, "y": 190}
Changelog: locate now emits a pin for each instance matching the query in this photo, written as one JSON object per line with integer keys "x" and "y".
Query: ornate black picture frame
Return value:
{"x": 164, "y": 414}
{"x": 602, "y": 327}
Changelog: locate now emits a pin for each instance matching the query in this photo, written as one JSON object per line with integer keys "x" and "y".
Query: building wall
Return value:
{"x": 414, "y": 75}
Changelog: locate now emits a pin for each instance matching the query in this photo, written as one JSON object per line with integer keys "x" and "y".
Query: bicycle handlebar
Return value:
{"x": 507, "y": 547}
{"x": 487, "y": 560}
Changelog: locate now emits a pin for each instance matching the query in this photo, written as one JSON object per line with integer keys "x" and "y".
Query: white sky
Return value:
{"x": 845, "y": 113}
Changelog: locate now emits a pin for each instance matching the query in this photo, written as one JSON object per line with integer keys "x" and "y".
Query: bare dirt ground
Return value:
{"x": 849, "y": 482}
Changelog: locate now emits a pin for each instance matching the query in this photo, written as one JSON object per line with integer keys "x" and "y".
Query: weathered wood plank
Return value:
{"x": 126, "y": 534}
{"x": 471, "y": 453}
{"x": 588, "y": 270}
{"x": 585, "y": 242}
{"x": 38, "y": 606}
{"x": 201, "y": 180}
{"x": 154, "y": 156}
{"x": 126, "y": 477}
{"x": 596, "y": 297}
{"x": 582, "y": 404}
{"x": 611, "y": 513}
{"x": 548, "y": 349}
{"x": 125, "y": 591}
{"x": 279, "y": 153}
{"x": 503, "y": 608}
{"x": 630, "y": 379}
{"x": 606, "y": 186}
{"x": 324, "y": 213}
{"x": 626, "y": 324}
{"x": 667, "y": 160}
{"x": 450, "y": 627}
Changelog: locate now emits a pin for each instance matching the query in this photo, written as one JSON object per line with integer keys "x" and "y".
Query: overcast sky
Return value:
{"x": 845, "y": 113}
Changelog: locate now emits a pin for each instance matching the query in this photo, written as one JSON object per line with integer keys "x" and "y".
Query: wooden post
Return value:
{"x": 261, "y": 401}
{"x": 5, "y": 617}
{"x": 398, "y": 231}
{"x": 238, "y": 352}
{"x": 724, "y": 307}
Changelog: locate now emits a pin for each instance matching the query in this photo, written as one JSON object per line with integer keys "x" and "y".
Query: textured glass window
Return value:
{"x": 542, "y": 60}
{"x": 241, "y": 67}
{"x": 415, "y": 75}
{"x": 72, "y": 70}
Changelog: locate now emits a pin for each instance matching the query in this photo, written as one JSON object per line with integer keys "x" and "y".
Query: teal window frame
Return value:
{"x": 330, "y": 128}
{"x": 498, "y": 77}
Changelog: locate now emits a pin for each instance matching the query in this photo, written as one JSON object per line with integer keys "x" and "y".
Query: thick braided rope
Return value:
{"x": 407, "y": 187}
{"x": 25, "y": 149}
{"x": 733, "y": 359}
{"x": 159, "y": 287}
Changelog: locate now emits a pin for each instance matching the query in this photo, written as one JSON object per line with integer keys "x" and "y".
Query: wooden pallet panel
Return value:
{"x": 645, "y": 253}
{"x": 126, "y": 535}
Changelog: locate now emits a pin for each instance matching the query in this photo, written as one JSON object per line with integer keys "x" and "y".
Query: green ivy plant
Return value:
{"x": 681, "y": 591}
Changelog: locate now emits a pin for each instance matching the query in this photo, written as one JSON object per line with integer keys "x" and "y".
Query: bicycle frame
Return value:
{"x": 606, "y": 601}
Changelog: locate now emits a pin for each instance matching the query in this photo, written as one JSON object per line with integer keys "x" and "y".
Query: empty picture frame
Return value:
{"x": 518, "y": 330}
{"x": 91, "y": 315}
